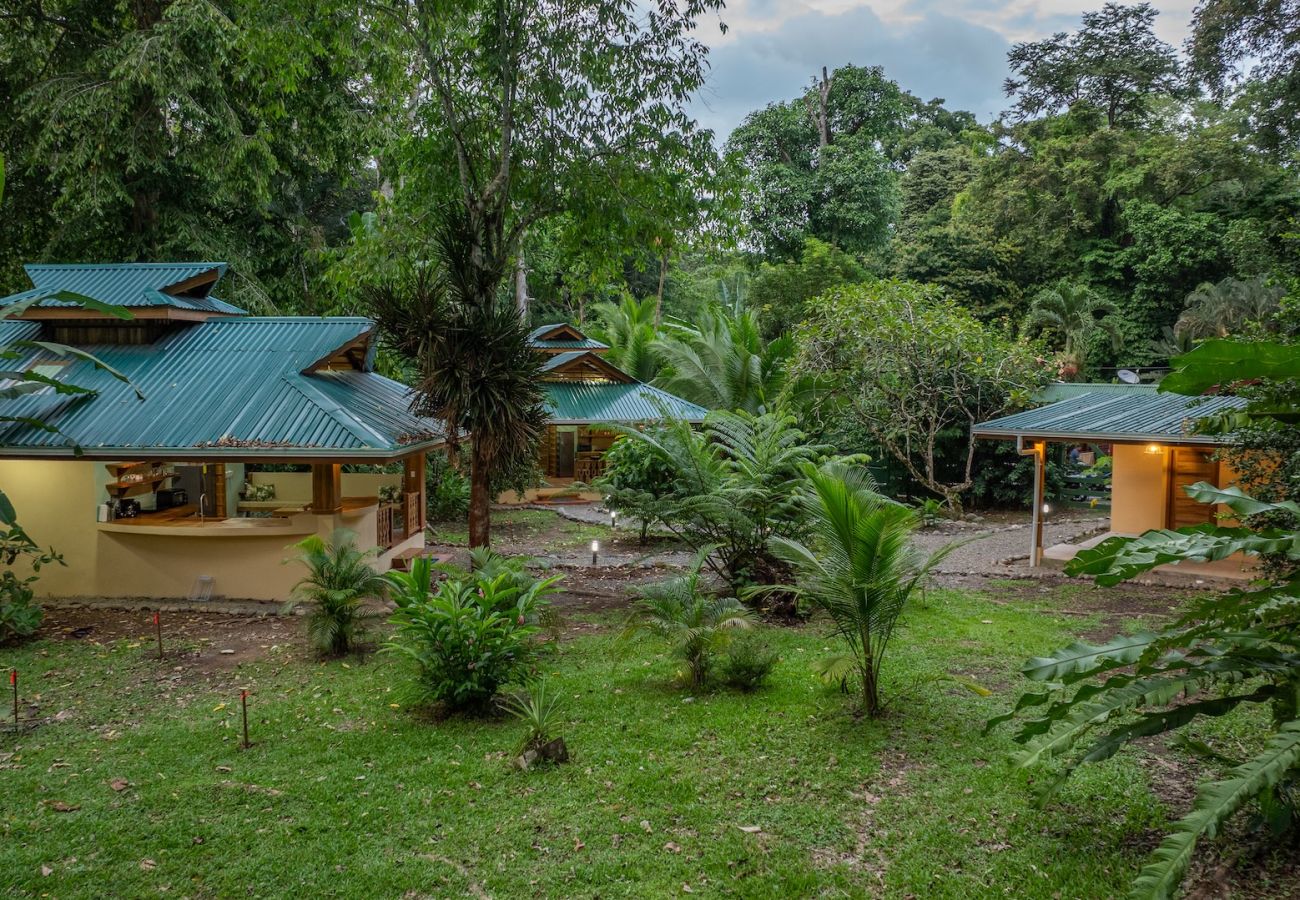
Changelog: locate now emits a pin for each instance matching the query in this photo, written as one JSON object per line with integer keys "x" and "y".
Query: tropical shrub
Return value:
{"x": 733, "y": 485}
{"x": 636, "y": 482}
{"x": 19, "y": 615}
{"x": 859, "y": 567}
{"x": 1236, "y": 650}
{"x": 470, "y": 635}
{"x": 748, "y": 663}
{"x": 340, "y": 580}
{"x": 446, "y": 490}
{"x": 692, "y": 621}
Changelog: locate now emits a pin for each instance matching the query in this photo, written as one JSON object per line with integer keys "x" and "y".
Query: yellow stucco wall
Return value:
{"x": 56, "y": 503}
{"x": 1138, "y": 489}
{"x": 297, "y": 485}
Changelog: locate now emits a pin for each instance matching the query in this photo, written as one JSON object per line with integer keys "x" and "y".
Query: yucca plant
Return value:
{"x": 859, "y": 567}
{"x": 340, "y": 580}
{"x": 694, "y": 622}
{"x": 538, "y": 707}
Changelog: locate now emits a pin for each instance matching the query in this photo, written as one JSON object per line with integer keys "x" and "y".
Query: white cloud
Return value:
{"x": 955, "y": 49}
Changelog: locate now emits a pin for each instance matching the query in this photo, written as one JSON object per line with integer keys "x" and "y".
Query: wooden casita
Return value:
{"x": 1155, "y": 454}
{"x": 586, "y": 395}
{"x": 248, "y": 434}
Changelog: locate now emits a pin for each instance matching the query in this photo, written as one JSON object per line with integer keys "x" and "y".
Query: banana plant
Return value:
{"x": 1226, "y": 652}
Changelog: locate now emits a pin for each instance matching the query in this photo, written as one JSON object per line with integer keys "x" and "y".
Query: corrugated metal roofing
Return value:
{"x": 129, "y": 285}
{"x": 1136, "y": 416}
{"x": 1066, "y": 390}
{"x": 585, "y": 343}
{"x": 226, "y": 387}
{"x": 579, "y": 401}
{"x": 560, "y": 359}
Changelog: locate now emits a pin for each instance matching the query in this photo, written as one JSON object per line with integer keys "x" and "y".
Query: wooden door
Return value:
{"x": 1187, "y": 467}
{"x": 566, "y": 446}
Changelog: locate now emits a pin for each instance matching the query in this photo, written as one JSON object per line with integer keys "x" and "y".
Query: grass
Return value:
{"x": 348, "y": 792}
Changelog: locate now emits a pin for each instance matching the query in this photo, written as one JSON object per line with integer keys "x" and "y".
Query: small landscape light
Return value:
{"x": 595, "y": 552}
{"x": 613, "y": 518}
{"x": 1046, "y": 508}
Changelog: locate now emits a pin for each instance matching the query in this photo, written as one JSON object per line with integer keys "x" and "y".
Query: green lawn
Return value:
{"x": 347, "y": 792}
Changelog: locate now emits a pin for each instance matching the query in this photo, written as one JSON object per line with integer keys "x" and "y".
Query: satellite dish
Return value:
{"x": 1128, "y": 376}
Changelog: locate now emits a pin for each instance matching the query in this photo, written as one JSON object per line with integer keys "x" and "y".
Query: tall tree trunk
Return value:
{"x": 521, "y": 285}
{"x": 480, "y": 500}
{"x": 659, "y": 294}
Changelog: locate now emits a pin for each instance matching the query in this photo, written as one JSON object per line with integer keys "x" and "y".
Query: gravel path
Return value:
{"x": 990, "y": 543}
{"x": 1001, "y": 548}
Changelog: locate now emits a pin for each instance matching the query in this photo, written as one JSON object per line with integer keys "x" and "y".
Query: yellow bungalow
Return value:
{"x": 586, "y": 393}
{"x": 253, "y": 432}
{"x": 1155, "y": 455}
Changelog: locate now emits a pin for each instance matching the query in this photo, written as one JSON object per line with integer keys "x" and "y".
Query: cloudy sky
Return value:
{"x": 955, "y": 49}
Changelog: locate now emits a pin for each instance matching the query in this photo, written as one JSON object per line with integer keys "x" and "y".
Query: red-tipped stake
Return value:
{"x": 243, "y": 702}
{"x": 157, "y": 627}
{"x": 13, "y": 681}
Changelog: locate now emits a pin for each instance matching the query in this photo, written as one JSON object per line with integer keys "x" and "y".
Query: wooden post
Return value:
{"x": 413, "y": 483}
{"x": 1040, "y": 498}
{"x": 1038, "y": 450}
{"x": 326, "y": 487}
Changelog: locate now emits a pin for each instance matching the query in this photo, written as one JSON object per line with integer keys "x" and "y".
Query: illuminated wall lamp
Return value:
{"x": 1154, "y": 448}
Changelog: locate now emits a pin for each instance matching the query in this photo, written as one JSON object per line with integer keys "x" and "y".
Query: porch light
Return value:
{"x": 595, "y": 552}
{"x": 1154, "y": 448}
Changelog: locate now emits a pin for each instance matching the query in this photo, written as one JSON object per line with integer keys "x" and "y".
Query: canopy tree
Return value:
{"x": 166, "y": 129}
{"x": 823, "y": 165}
{"x": 1263, "y": 35}
{"x": 517, "y": 112}
{"x": 1114, "y": 62}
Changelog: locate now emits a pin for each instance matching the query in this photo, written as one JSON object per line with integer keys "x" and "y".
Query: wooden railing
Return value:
{"x": 384, "y": 531}
{"x": 587, "y": 468}
{"x": 411, "y": 506}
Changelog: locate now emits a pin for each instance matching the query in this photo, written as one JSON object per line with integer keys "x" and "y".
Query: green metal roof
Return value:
{"x": 1137, "y": 415}
{"x": 129, "y": 285}
{"x": 578, "y": 402}
{"x": 536, "y": 341}
{"x": 1063, "y": 390}
{"x": 228, "y": 387}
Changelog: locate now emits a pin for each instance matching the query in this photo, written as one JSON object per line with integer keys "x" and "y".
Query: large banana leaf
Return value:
{"x": 1216, "y": 802}
{"x": 1205, "y": 367}
{"x": 1119, "y": 558}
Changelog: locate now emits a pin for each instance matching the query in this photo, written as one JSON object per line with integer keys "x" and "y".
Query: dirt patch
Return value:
{"x": 194, "y": 643}
{"x": 1117, "y": 607}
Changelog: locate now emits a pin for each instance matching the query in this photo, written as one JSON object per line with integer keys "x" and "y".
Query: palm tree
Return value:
{"x": 470, "y": 347}
{"x": 1218, "y": 310}
{"x": 629, "y": 329}
{"x": 1074, "y": 312}
{"x": 694, "y": 622}
{"x": 859, "y": 567}
{"x": 723, "y": 362}
{"x": 339, "y": 581}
